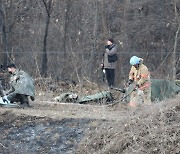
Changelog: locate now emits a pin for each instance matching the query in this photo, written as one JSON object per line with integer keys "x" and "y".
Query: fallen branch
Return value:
{"x": 2, "y": 145}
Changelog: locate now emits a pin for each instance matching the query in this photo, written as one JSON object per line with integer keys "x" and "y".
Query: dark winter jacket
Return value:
{"x": 110, "y": 50}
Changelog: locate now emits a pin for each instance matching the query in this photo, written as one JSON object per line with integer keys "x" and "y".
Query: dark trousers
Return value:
{"x": 110, "y": 75}
{"x": 14, "y": 97}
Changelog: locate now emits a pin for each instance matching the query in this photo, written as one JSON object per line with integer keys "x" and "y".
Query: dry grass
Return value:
{"x": 119, "y": 129}
{"x": 147, "y": 129}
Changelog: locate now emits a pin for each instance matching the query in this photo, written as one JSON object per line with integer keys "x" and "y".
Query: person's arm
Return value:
{"x": 112, "y": 51}
{"x": 144, "y": 76}
{"x": 13, "y": 81}
{"x": 19, "y": 75}
{"x": 102, "y": 62}
{"x": 7, "y": 92}
{"x": 131, "y": 74}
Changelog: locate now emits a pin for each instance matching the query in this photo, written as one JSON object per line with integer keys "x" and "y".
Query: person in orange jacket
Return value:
{"x": 140, "y": 76}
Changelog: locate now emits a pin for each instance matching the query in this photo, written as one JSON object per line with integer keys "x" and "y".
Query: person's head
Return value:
{"x": 135, "y": 61}
{"x": 110, "y": 41}
{"x": 11, "y": 68}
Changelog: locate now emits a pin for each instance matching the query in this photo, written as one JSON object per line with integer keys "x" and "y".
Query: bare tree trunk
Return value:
{"x": 94, "y": 39}
{"x": 4, "y": 36}
{"x": 44, "y": 57}
{"x": 68, "y": 5}
{"x": 9, "y": 16}
{"x": 5, "y": 51}
{"x": 175, "y": 43}
{"x": 104, "y": 23}
{"x": 174, "y": 54}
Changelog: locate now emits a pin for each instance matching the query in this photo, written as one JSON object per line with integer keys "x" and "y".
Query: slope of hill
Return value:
{"x": 147, "y": 129}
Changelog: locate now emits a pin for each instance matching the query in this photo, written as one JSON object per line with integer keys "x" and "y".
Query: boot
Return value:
{"x": 24, "y": 101}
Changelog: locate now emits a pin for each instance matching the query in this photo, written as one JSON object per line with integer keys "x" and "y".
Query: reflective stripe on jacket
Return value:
{"x": 145, "y": 86}
{"x": 140, "y": 75}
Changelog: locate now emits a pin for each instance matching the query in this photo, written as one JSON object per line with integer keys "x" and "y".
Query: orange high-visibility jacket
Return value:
{"x": 140, "y": 75}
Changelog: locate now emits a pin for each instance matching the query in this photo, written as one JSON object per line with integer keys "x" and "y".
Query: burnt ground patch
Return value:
{"x": 28, "y": 134}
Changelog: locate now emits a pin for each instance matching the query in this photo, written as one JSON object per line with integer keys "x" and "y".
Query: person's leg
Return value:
{"x": 24, "y": 100}
{"x": 133, "y": 99}
{"x": 108, "y": 76}
{"x": 147, "y": 96}
{"x": 12, "y": 97}
{"x": 112, "y": 76}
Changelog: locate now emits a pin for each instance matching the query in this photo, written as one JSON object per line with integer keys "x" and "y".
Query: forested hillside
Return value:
{"x": 64, "y": 39}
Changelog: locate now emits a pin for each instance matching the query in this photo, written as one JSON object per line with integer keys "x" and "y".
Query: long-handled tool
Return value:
{"x": 119, "y": 89}
{"x": 127, "y": 92}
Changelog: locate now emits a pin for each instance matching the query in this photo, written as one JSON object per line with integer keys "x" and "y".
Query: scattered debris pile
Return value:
{"x": 101, "y": 97}
{"x": 160, "y": 90}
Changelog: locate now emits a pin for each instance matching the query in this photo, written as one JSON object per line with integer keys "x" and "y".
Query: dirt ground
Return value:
{"x": 49, "y": 127}
{"x": 53, "y": 127}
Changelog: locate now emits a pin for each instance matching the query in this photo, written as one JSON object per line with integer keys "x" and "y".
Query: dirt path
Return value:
{"x": 67, "y": 110}
{"x": 50, "y": 127}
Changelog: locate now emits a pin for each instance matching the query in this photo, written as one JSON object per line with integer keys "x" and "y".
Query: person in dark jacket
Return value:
{"x": 22, "y": 86}
{"x": 110, "y": 61}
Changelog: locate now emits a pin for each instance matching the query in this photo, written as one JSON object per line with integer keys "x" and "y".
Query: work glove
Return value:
{"x": 5, "y": 99}
{"x": 130, "y": 82}
{"x": 123, "y": 91}
{"x": 140, "y": 92}
{"x": 106, "y": 46}
{"x": 136, "y": 87}
{"x": 102, "y": 66}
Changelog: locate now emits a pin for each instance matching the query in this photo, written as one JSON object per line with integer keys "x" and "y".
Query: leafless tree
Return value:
{"x": 65, "y": 39}
{"x": 10, "y": 13}
{"x": 48, "y": 8}
{"x": 174, "y": 59}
